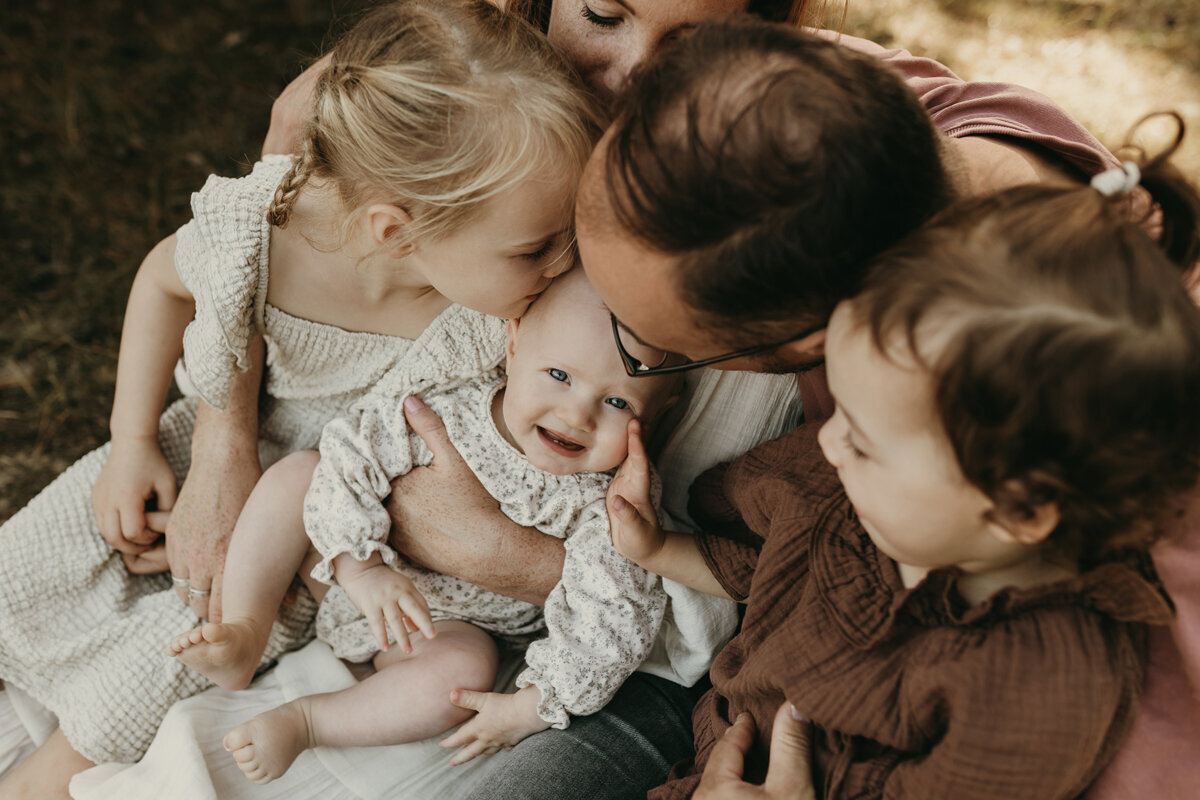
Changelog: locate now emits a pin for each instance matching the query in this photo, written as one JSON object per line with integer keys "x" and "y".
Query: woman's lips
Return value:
{"x": 560, "y": 444}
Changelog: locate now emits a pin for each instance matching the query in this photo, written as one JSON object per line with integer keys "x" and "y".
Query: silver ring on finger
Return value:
{"x": 194, "y": 594}
{"x": 178, "y": 582}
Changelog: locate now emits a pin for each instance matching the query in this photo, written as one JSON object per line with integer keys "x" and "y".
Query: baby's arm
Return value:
{"x": 347, "y": 523}
{"x": 636, "y": 533}
{"x": 159, "y": 309}
{"x": 385, "y": 597}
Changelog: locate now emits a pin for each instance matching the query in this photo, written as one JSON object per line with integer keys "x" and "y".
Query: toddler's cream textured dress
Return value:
{"x": 78, "y": 632}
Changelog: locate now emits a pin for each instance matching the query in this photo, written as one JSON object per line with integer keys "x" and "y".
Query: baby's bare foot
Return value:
{"x": 267, "y": 745}
{"x": 227, "y": 653}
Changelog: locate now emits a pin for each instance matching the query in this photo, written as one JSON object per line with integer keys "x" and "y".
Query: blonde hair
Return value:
{"x": 436, "y": 106}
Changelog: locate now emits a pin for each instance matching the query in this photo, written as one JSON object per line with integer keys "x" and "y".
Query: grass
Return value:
{"x": 1108, "y": 62}
{"x": 112, "y": 112}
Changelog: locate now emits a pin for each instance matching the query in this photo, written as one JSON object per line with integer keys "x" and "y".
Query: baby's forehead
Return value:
{"x": 571, "y": 292}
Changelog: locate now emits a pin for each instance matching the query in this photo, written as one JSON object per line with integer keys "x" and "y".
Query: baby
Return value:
{"x": 541, "y": 435}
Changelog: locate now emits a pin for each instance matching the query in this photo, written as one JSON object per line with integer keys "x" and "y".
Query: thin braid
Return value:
{"x": 288, "y": 190}
{"x": 435, "y": 106}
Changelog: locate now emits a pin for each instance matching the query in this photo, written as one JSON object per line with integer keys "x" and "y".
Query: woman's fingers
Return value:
{"x": 198, "y": 594}
{"x": 147, "y": 562}
{"x": 156, "y": 521}
{"x": 728, "y": 758}
{"x": 213, "y": 612}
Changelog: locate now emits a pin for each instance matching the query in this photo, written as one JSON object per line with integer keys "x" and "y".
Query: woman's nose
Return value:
{"x": 615, "y": 75}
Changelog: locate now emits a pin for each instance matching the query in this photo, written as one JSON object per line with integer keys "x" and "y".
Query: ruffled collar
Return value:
{"x": 528, "y": 495}
{"x": 866, "y": 598}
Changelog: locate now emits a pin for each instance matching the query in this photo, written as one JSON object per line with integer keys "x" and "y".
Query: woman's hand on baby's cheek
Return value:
{"x": 789, "y": 773}
{"x": 135, "y": 472}
{"x": 501, "y": 721}
{"x": 633, "y": 522}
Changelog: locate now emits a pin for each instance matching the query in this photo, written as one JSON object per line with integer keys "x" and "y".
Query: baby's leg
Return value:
{"x": 406, "y": 700}
{"x": 268, "y": 547}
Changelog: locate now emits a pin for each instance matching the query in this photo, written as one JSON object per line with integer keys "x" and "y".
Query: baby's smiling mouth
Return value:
{"x": 559, "y": 442}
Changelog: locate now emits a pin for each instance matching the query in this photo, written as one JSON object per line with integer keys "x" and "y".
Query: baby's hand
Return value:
{"x": 634, "y": 526}
{"x": 134, "y": 472}
{"x": 388, "y": 600}
{"x": 502, "y": 721}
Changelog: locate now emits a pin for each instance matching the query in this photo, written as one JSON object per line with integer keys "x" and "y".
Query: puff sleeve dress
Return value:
{"x": 78, "y": 632}
{"x": 601, "y": 619}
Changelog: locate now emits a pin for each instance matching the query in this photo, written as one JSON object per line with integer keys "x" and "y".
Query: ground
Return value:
{"x": 113, "y": 111}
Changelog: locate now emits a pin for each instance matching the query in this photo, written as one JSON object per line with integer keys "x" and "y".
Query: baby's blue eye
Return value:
{"x": 558, "y": 374}
{"x": 617, "y": 402}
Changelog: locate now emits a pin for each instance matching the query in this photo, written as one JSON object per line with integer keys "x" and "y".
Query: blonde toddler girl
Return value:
{"x": 438, "y": 168}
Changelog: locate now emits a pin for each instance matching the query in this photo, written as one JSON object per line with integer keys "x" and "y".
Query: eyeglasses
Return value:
{"x": 637, "y": 369}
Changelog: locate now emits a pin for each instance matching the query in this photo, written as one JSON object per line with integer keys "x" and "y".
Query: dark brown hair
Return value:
{"x": 1064, "y": 350}
{"x": 774, "y": 165}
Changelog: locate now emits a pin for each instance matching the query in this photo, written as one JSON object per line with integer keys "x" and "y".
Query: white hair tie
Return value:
{"x": 1118, "y": 180}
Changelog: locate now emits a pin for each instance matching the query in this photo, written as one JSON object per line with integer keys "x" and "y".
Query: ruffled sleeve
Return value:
{"x": 602, "y": 619}
{"x": 221, "y": 257}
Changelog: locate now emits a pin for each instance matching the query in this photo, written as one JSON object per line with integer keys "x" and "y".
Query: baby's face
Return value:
{"x": 568, "y": 401}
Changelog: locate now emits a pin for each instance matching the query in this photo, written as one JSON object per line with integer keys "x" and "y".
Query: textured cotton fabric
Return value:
{"x": 913, "y": 693}
{"x": 78, "y": 632}
{"x": 601, "y": 617}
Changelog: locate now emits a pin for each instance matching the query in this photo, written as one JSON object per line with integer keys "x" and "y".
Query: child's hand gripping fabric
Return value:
{"x": 502, "y": 721}
{"x": 634, "y": 524}
{"x": 135, "y": 471}
{"x": 386, "y": 598}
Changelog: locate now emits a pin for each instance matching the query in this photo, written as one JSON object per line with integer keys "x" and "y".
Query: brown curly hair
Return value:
{"x": 1067, "y": 357}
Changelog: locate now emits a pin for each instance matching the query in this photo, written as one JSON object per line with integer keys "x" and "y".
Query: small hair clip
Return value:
{"x": 1118, "y": 180}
